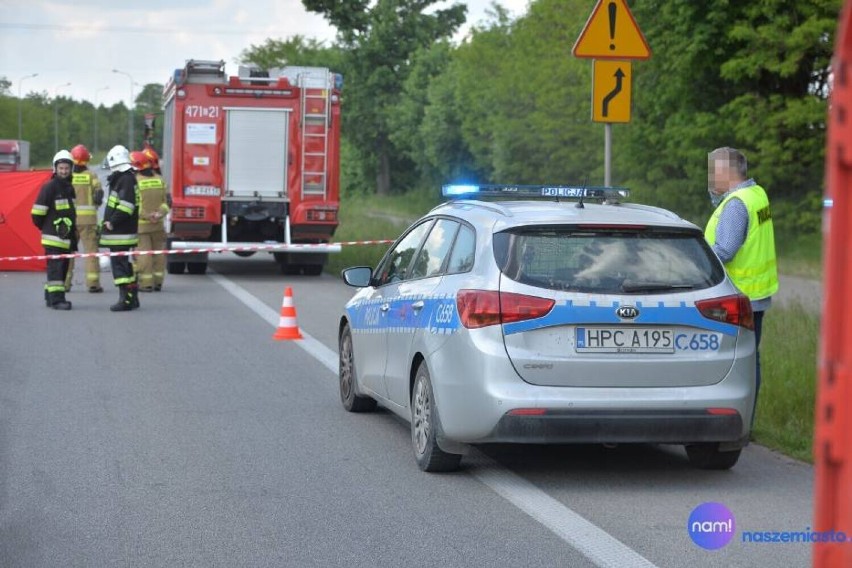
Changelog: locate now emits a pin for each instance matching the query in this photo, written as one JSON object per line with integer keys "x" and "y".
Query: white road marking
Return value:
{"x": 603, "y": 549}
{"x": 319, "y": 351}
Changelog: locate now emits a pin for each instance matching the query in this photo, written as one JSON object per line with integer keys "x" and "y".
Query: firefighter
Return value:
{"x": 119, "y": 226}
{"x": 89, "y": 197}
{"x": 150, "y": 269}
{"x": 53, "y": 213}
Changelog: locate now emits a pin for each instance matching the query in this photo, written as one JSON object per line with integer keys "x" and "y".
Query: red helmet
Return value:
{"x": 152, "y": 156}
{"x": 81, "y": 155}
{"x": 139, "y": 161}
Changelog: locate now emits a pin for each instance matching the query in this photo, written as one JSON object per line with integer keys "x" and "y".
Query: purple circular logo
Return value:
{"x": 711, "y": 525}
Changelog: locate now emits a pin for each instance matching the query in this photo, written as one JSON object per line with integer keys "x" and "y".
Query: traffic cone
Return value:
{"x": 287, "y": 327}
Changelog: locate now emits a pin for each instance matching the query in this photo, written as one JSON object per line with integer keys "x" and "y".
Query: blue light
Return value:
{"x": 449, "y": 190}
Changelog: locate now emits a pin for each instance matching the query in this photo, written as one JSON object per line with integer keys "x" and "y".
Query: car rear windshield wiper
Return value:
{"x": 655, "y": 287}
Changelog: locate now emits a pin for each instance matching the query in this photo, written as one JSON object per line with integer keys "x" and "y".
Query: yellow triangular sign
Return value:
{"x": 611, "y": 33}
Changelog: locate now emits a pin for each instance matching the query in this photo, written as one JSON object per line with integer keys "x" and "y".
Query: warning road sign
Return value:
{"x": 611, "y": 33}
{"x": 611, "y": 91}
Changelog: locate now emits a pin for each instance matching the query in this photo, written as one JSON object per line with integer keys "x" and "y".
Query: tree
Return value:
{"x": 724, "y": 73}
{"x": 380, "y": 39}
{"x": 150, "y": 102}
{"x": 294, "y": 51}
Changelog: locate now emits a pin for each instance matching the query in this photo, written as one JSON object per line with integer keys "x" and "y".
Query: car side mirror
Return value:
{"x": 357, "y": 276}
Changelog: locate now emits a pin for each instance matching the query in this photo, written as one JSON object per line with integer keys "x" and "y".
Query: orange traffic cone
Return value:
{"x": 287, "y": 327}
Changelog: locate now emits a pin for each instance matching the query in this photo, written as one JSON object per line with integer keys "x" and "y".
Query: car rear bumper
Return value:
{"x": 604, "y": 426}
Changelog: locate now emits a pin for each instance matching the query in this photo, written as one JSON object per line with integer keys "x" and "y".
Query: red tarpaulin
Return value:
{"x": 18, "y": 235}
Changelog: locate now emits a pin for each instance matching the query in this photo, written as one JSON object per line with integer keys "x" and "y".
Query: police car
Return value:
{"x": 558, "y": 315}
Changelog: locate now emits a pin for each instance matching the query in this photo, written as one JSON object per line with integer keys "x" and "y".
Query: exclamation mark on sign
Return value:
{"x": 612, "y": 9}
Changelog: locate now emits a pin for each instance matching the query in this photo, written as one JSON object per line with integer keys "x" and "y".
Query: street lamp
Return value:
{"x": 56, "y": 117}
{"x": 20, "y": 116}
{"x": 96, "y": 115}
{"x": 129, "y": 110}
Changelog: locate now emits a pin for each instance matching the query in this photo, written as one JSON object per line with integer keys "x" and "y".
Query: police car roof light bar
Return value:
{"x": 476, "y": 191}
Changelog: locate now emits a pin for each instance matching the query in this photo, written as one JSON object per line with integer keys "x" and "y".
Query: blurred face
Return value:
{"x": 63, "y": 169}
{"x": 721, "y": 175}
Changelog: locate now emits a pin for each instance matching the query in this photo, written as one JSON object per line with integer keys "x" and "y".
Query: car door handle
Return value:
{"x": 418, "y": 305}
{"x": 385, "y": 307}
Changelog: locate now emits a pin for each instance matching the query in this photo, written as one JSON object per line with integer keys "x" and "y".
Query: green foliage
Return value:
{"x": 293, "y": 51}
{"x": 46, "y": 121}
{"x": 380, "y": 40}
{"x": 751, "y": 75}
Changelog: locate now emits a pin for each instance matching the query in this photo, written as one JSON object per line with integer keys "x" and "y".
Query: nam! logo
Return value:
{"x": 711, "y": 525}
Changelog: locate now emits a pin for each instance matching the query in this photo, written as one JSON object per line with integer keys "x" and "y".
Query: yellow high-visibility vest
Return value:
{"x": 753, "y": 269}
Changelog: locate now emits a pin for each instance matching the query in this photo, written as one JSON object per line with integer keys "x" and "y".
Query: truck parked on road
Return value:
{"x": 252, "y": 162}
{"x": 14, "y": 155}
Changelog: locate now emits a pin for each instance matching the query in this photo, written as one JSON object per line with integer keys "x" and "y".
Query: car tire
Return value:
{"x": 708, "y": 456}
{"x": 424, "y": 427}
{"x": 352, "y": 401}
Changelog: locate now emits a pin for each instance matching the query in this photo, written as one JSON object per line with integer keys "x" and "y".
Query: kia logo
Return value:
{"x": 627, "y": 312}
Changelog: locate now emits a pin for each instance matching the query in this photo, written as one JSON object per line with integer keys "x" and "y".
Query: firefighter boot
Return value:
{"x": 124, "y": 301}
{"x": 46, "y": 298}
{"x": 58, "y": 301}
{"x": 133, "y": 294}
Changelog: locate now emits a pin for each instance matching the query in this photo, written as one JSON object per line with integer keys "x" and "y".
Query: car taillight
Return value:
{"x": 481, "y": 308}
{"x": 728, "y": 309}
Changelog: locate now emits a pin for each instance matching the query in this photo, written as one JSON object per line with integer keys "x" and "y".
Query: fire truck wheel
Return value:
{"x": 313, "y": 269}
{"x": 290, "y": 269}
{"x": 244, "y": 253}
{"x": 176, "y": 267}
{"x": 196, "y": 267}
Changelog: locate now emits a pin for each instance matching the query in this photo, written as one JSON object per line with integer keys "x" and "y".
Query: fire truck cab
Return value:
{"x": 252, "y": 163}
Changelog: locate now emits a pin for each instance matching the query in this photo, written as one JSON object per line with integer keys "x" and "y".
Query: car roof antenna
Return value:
{"x": 579, "y": 204}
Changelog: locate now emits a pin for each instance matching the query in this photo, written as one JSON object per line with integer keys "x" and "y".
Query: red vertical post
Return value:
{"x": 833, "y": 428}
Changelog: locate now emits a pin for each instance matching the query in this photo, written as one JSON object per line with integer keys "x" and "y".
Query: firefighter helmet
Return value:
{"x": 81, "y": 155}
{"x": 139, "y": 160}
{"x": 118, "y": 159}
{"x": 152, "y": 156}
{"x": 62, "y": 156}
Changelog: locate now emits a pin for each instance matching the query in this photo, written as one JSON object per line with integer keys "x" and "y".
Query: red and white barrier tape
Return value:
{"x": 254, "y": 248}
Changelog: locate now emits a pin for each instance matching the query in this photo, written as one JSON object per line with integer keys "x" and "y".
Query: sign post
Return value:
{"x": 611, "y": 37}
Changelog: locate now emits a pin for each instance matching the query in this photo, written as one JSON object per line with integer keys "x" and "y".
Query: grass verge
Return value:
{"x": 788, "y": 360}
{"x": 374, "y": 218}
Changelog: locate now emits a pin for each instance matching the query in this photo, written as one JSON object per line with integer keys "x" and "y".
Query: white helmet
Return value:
{"x": 118, "y": 159}
{"x": 62, "y": 156}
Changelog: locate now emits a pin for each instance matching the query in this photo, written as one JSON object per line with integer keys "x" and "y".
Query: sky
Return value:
{"x": 81, "y": 43}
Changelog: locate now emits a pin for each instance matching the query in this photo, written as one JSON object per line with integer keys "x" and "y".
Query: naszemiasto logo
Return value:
{"x": 627, "y": 312}
{"x": 711, "y": 525}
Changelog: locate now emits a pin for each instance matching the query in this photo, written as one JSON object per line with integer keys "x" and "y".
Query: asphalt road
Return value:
{"x": 181, "y": 434}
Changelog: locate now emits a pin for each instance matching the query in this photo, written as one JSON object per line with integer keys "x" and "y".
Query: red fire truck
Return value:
{"x": 252, "y": 162}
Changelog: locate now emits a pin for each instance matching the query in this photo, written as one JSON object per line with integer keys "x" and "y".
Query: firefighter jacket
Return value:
{"x": 53, "y": 213}
{"x": 122, "y": 211}
{"x": 152, "y": 200}
{"x": 89, "y": 196}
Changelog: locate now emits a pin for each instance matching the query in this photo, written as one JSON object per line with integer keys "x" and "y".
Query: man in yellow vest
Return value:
{"x": 152, "y": 234}
{"x": 90, "y": 195}
{"x": 741, "y": 234}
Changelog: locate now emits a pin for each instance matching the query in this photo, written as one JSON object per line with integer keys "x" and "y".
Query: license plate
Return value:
{"x": 624, "y": 340}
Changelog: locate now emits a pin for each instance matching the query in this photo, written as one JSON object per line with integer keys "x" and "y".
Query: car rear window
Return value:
{"x": 608, "y": 260}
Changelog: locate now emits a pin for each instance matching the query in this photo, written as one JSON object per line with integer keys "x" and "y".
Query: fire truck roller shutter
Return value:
{"x": 256, "y": 156}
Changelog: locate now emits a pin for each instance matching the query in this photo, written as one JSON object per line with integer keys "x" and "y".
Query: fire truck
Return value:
{"x": 252, "y": 163}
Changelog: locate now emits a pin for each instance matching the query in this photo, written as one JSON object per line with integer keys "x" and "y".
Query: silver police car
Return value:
{"x": 549, "y": 318}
